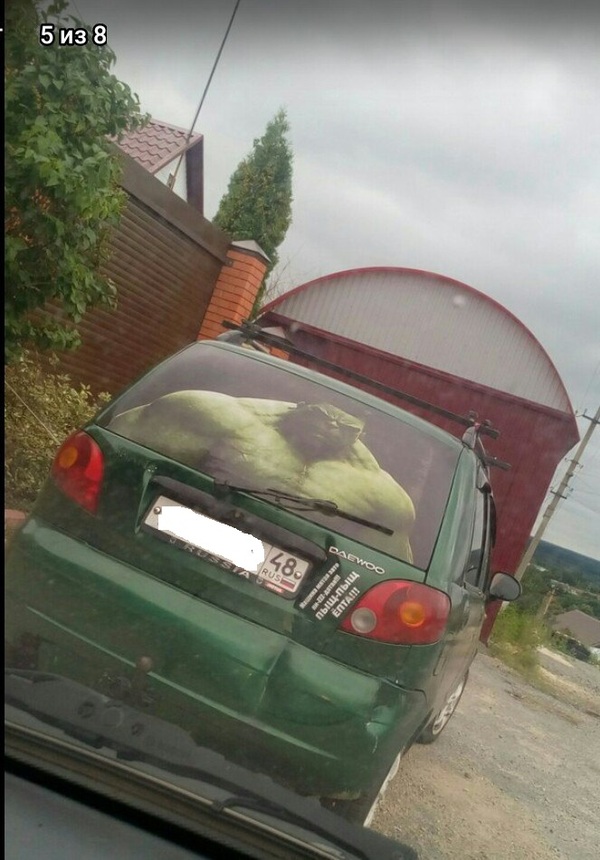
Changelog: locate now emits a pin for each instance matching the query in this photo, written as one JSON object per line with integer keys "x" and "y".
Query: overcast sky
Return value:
{"x": 458, "y": 137}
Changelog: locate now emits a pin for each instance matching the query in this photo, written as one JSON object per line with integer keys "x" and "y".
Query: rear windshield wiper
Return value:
{"x": 300, "y": 503}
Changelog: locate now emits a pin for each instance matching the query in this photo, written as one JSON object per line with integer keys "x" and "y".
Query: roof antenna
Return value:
{"x": 173, "y": 176}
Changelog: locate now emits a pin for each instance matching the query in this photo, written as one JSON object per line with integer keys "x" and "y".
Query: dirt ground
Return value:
{"x": 515, "y": 774}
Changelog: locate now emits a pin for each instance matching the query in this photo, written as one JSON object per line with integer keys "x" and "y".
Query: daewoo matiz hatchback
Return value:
{"x": 290, "y": 569}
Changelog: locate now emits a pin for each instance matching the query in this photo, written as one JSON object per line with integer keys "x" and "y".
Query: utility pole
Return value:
{"x": 545, "y": 606}
{"x": 558, "y": 495}
{"x": 173, "y": 176}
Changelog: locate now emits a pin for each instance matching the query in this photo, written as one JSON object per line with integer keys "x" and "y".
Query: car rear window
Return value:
{"x": 263, "y": 426}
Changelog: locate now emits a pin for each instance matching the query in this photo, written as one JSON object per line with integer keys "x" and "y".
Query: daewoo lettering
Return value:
{"x": 356, "y": 560}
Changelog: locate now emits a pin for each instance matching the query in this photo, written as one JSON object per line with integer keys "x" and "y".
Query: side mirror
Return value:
{"x": 504, "y": 587}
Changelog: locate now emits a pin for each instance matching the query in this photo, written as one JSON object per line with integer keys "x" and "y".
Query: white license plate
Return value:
{"x": 282, "y": 570}
{"x": 236, "y": 551}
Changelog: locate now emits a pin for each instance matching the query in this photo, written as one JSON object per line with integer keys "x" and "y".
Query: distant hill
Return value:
{"x": 554, "y": 557}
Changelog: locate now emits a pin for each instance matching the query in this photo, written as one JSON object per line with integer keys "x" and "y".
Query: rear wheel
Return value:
{"x": 363, "y": 808}
{"x": 438, "y": 723}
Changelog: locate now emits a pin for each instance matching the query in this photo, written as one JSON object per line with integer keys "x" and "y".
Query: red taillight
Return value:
{"x": 78, "y": 469}
{"x": 400, "y": 612}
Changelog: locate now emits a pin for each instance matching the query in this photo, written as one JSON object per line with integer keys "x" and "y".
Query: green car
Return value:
{"x": 292, "y": 570}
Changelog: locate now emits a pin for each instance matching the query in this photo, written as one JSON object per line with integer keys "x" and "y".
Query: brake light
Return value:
{"x": 399, "y": 612}
{"x": 78, "y": 469}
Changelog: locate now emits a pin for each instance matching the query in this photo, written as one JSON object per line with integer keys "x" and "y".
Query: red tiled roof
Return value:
{"x": 157, "y": 144}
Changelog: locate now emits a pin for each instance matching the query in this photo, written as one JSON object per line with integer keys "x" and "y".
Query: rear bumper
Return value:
{"x": 250, "y": 693}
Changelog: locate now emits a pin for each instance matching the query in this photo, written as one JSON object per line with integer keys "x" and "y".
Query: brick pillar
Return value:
{"x": 236, "y": 288}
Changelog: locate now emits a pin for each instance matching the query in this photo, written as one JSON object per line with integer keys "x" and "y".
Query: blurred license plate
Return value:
{"x": 230, "y": 548}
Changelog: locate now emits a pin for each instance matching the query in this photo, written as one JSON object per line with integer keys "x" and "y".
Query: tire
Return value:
{"x": 362, "y": 810}
{"x": 439, "y": 721}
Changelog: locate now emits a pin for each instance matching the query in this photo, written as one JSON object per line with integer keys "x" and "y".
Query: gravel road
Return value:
{"x": 515, "y": 774}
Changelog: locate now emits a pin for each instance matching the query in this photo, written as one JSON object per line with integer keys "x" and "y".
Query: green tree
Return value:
{"x": 62, "y": 197}
{"x": 258, "y": 201}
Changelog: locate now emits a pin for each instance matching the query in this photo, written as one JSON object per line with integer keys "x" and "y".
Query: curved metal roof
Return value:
{"x": 433, "y": 320}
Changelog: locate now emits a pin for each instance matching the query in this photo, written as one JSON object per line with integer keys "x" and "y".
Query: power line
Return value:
{"x": 173, "y": 176}
{"x": 37, "y": 417}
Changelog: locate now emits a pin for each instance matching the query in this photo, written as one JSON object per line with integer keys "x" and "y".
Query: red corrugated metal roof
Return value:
{"x": 430, "y": 319}
{"x": 157, "y": 144}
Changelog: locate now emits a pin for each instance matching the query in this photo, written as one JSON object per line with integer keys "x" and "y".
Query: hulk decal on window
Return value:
{"x": 312, "y": 449}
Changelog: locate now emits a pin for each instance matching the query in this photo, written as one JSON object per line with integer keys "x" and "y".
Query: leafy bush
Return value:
{"x": 515, "y": 638}
{"x": 41, "y": 408}
{"x": 61, "y": 190}
{"x": 569, "y": 645}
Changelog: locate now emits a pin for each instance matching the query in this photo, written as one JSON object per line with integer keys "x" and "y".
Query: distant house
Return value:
{"x": 581, "y": 626}
{"x": 158, "y": 146}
